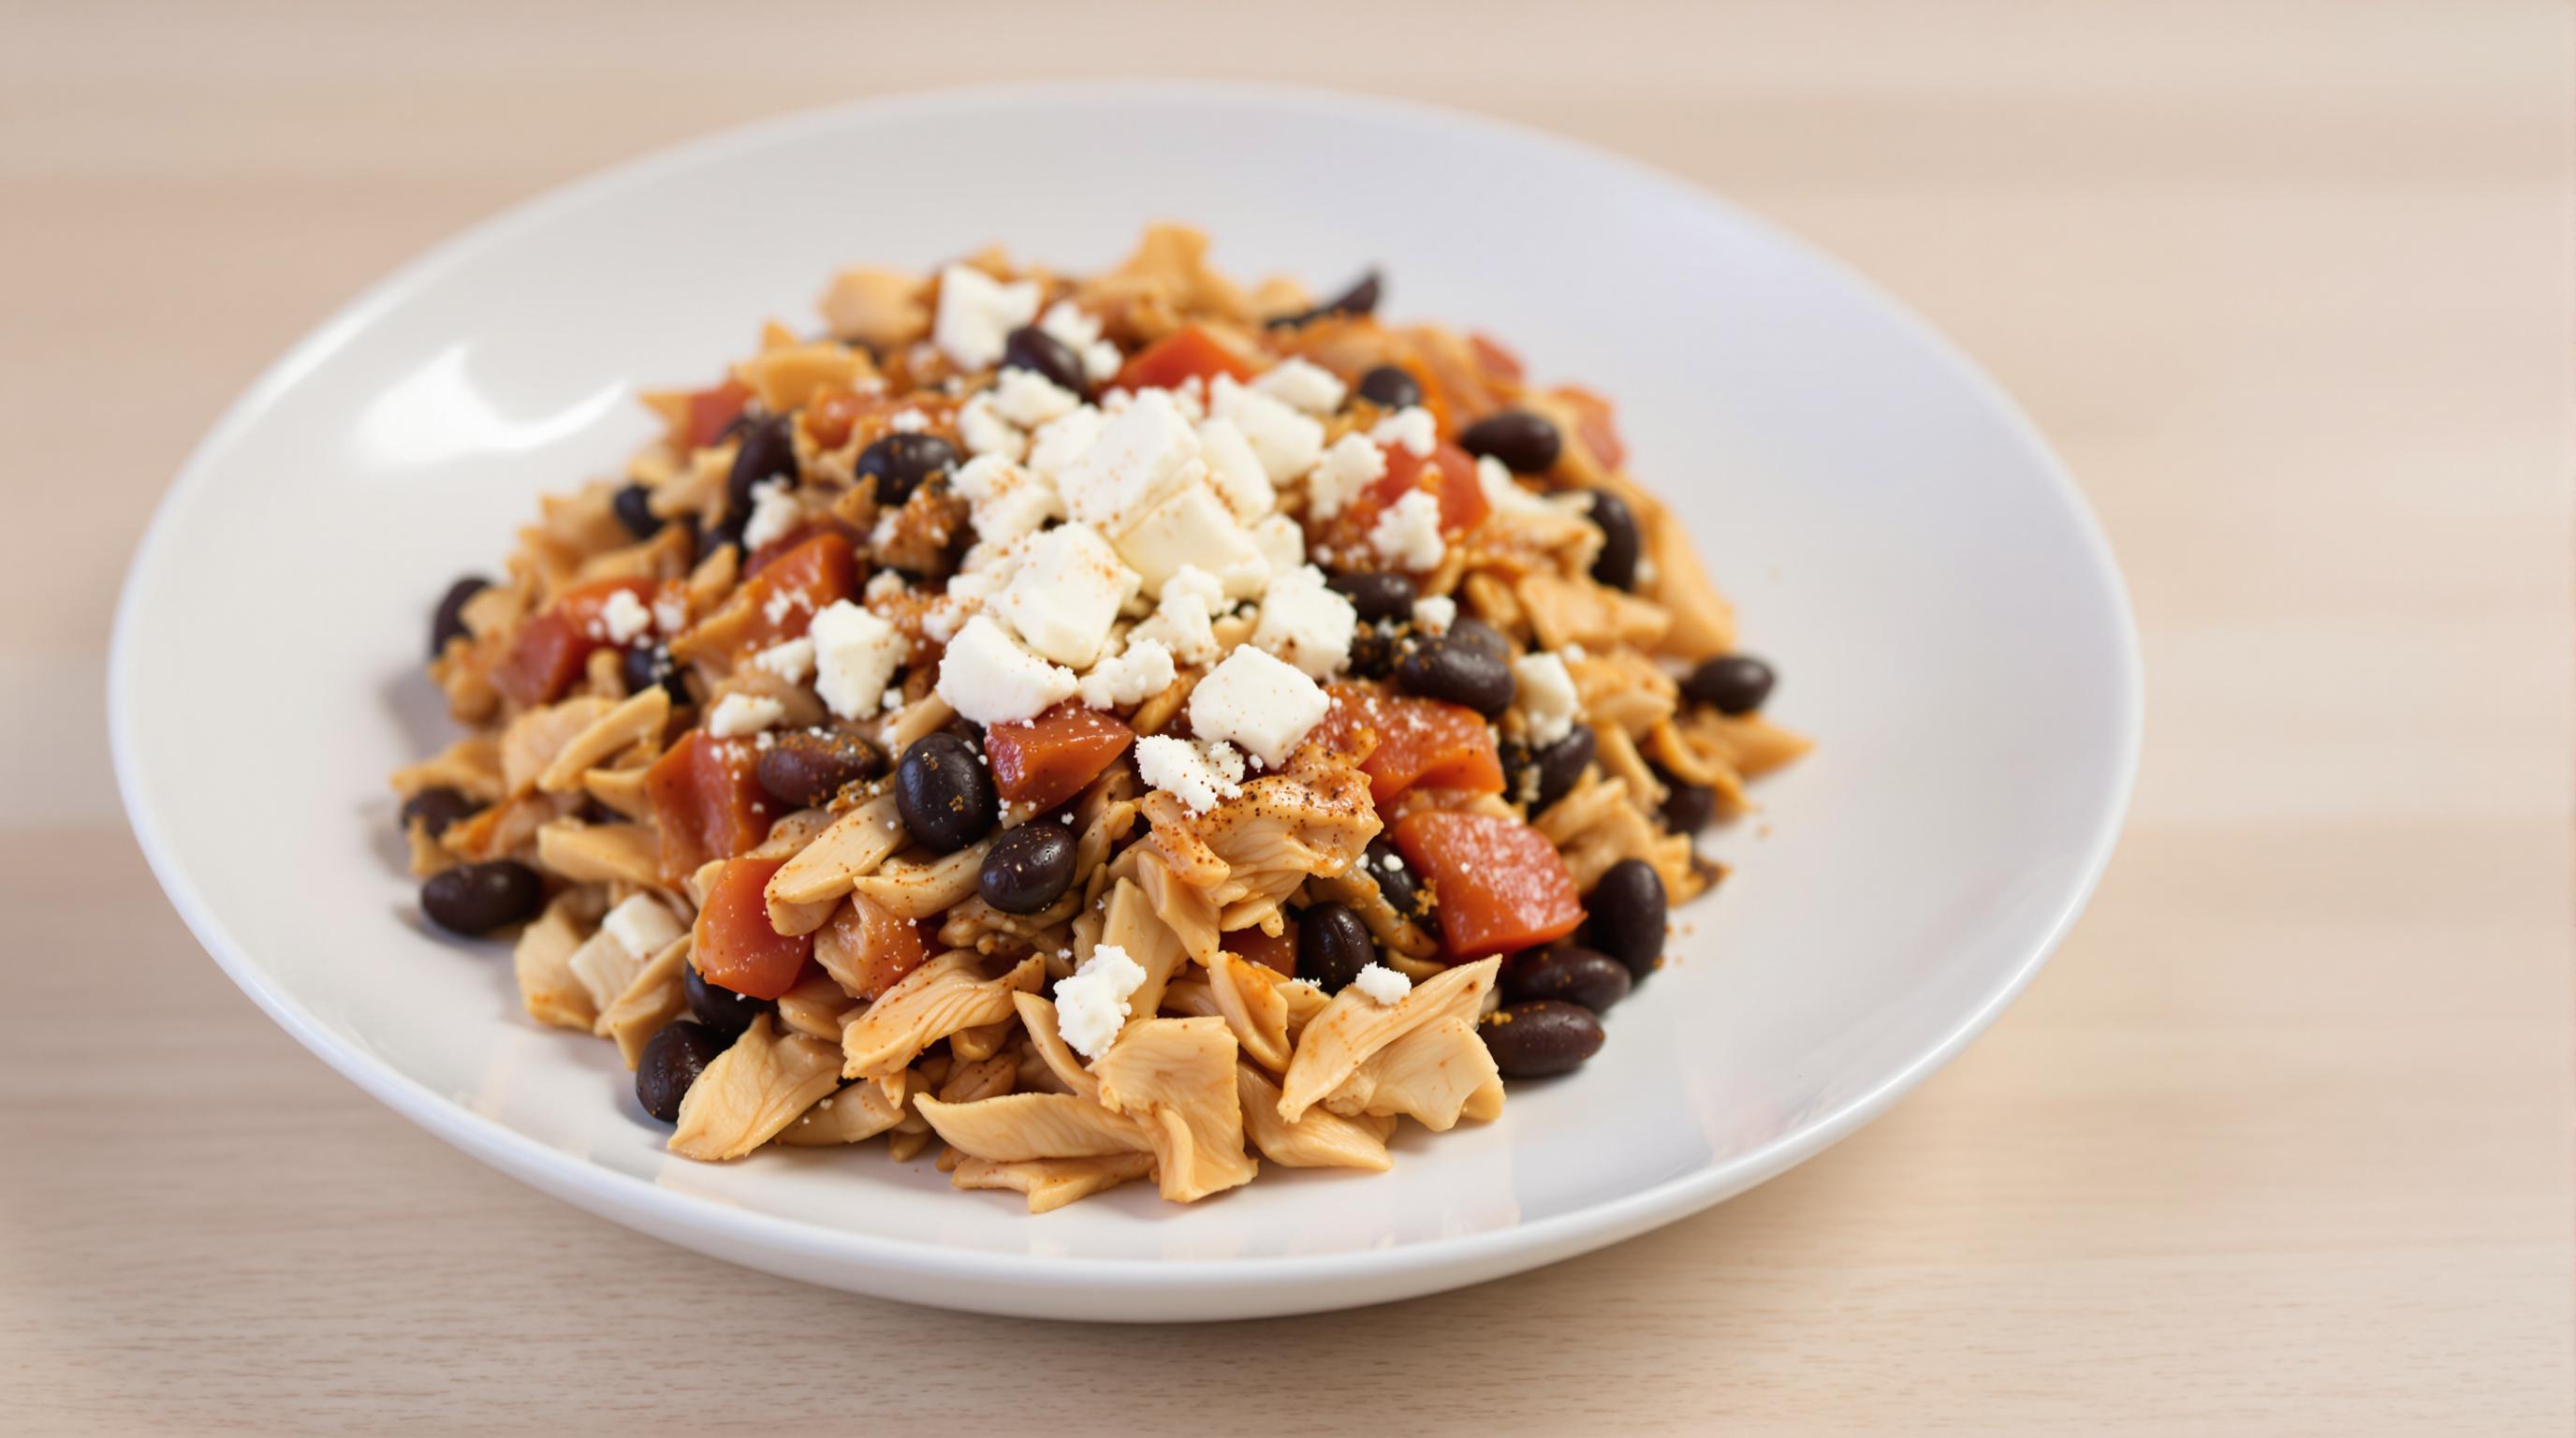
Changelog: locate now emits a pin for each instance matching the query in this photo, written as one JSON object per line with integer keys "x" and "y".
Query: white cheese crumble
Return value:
{"x": 1199, "y": 775}
{"x": 1091, "y": 1005}
{"x": 1007, "y": 501}
{"x": 1382, "y": 985}
{"x": 855, "y": 655}
{"x": 1411, "y": 427}
{"x": 1184, "y": 620}
{"x": 1066, "y": 594}
{"x": 1281, "y": 540}
{"x": 1546, "y": 696}
{"x": 774, "y": 511}
{"x": 1408, "y": 534}
{"x": 1261, "y": 704}
{"x": 1502, "y": 491}
{"x": 641, "y": 926}
{"x": 883, "y": 585}
{"x": 1081, "y": 333}
{"x": 738, "y": 714}
{"x": 671, "y": 613}
{"x": 1433, "y": 614}
{"x": 1351, "y": 465}
{"x": 624, "y": 617}
{"x": 1145, "y": 452}
{"x": 1288, "y": 443}
{"x": 1307, "y": 386}
{"x": 1193, "y": 526}
{"x": 789, "y": 659}
{"x": 984, "y": 430}
{"x": 1235, "y": 470}
{"x": 1028, "y": 399}
{"x": 908, "y": 420}
{"x": 1131, "y": 676}
{"x": 977, "y": 314}
{"x": 1060, "y": 442}
{"x": 1307, "y": 623}
{"x": 990, "y": 679}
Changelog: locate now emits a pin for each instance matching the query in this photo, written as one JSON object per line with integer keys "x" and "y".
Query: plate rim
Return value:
{"x": 1377, "y": 1274}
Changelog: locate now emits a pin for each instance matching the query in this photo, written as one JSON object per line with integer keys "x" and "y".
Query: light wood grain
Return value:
{"x": 2280, "y": 1143}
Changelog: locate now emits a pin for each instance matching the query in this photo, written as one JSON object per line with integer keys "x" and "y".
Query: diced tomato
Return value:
{"x": 1594, "y": 427}
{"x": 831, "y": 416}
{"x": 871, "y": 947}
{"x": 1044, "y": 761}
{"x": 735, "y": 946}
{"x": 1188, "y": 353}
{"x": 1499, "y": 885}
{"x": 1422, "y": 742}
{"x": 815, "y": 572}
{"x": 786, "y": 544}
{"x": 1278, "y": 955}
{"x": 1452, "y": 475}
{"x": 707, "y": 800}
{"x": 551, "y": 645}
{"x": 710, "y": 410}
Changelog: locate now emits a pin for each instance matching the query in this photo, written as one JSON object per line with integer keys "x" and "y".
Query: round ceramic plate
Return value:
{"x": 1943, "y": 610}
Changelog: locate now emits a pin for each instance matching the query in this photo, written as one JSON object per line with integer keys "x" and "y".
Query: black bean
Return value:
{"x": 1376, "y": 596}
{"x": 1568, "y": 971}
{"x": 1731, "y": 684}
{"x": 900, "y": 462}
{"x": 723, "y": 1011}
{"x": 1373, "y": 653}
{"x": 1459, "y": 671}
{"x": 1399, "y": 885}
{"x": 729, "y": 531}
{"x": 1688, "y": 807}
{"x": 767, "y": 452}
{"x": 1390, "y": 386}
{"x": 944, "y": 793}
{"x": 449, "y": 622}
{"x": 1027, "y": 869}
{"x": 634, "y": 506}
{"x": 1525, "y": 443}
{"x": 1540, "y": 1037}
{"x": 1332, "y": 946}
{"x": 478, "y": 898}
{"x": 649, "y": 664}
{"x": 671, "y": 1061}
{"x": 803, "y": 770}
{"x": 1621, "y": 544}
{"x": 1359, "y": 299}
{"x": 1627, "y": 908}
{"x": 437, "y": 807}
{"x": 1560, "y": 766}
{"x": 1467, "y": 629}
{"x": 1031, "y": 348}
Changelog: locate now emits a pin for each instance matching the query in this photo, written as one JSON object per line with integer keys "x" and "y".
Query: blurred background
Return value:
{"x": 2280, "y": 1142}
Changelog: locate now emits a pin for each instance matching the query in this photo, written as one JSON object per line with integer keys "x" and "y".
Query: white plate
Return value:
{"x": 1945, "y": 615}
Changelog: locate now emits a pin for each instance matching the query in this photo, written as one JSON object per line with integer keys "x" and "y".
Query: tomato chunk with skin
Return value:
{"x": 1423, "y": 742}
{"x": 1044, "y": 761}
{"x": 734, "y": 945}
{"x": 1278, "y": 955}
{"x": 707, "y": 798}
{"x": 710, "y": 410}
{"x": 813, "y": 574}
{"x": 1453, "y": 477}
{"x": 870, "y": 948}
{"x": 551, "y": 646}
{"x": 1185, "y": 354}
{"x": 1499, "y": 885}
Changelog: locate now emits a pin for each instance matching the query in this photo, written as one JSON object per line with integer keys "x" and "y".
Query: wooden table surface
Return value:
{"x": 2279, "y": 1142}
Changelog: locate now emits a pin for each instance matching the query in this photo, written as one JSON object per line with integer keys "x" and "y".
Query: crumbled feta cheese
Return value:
{"x": 883, "y": 585}
{"x": 1008, "y": 502}
{"x": 624, "y": 616}
{"x": 1193, "y": 526}
{"x": 1408, "y": 534}
{"x": 789, "y": 659}
{"x": 774, "y": 511}
{"x": 1309, "y": 387}
{"x": 1199, "y": 775}
{"x": 984, "y": 430}
{"x": 1145, "y": 452}
{"x": 990, "y": 679}
{"x": 1184, "y": 619}
{"x": 1502, "y": 491}
{"x": 1060, "y": 442}
{"x": 1131, "y": 676}
{"x": 1066, "y": 594}
{"x": 1351, "y": 465}
{"x": 1259, "y": 703}
{"x": 738, "y": 714}
{"x": 641, "y": 926}
{"x": 671, "y": 613}
{"x": 908, "y": 420}
{"x": 1281, "y": 540}
{"x": 1028, "y": 399}
{"x": 1381, "y": 984}
{"x": 1306, "y": 623}
{"x": 1081, "y": 333}
{"x": 1235, "y": 470}
{"x": 1091, "y": 1005}
{"x": 1411, "y": 427}
{"x": 977, "y": 314}
{"x": 1288, "y": 443}
{"x": 893, "y": 699}
{"x": 1546, "y": 696}
{"x": 855, "y": 654}
{"x": 1433, "y": 614}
